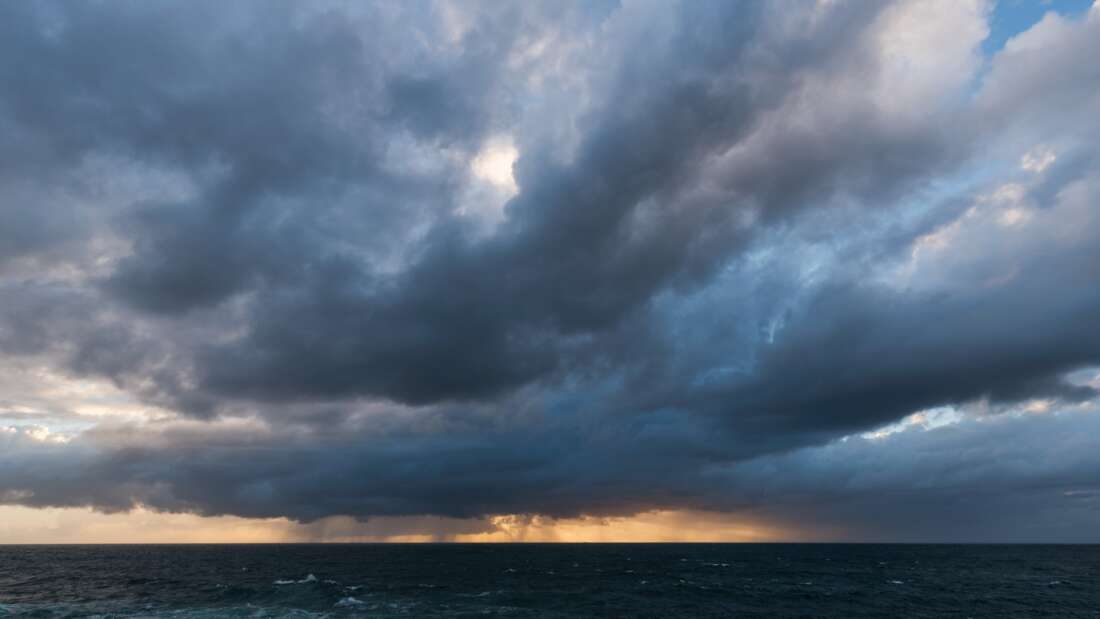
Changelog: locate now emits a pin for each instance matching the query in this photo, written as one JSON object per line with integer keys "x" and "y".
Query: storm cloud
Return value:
{"x": 561, "y": 259}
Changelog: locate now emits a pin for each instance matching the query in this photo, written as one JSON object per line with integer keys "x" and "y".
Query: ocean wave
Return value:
{"x": 307, "y": 579}
{"x": 105, "y": 611}
{"x": 406, "y": 581}
{"x": 350, "y": 602}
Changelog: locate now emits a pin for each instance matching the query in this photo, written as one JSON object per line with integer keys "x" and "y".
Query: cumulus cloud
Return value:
{"x": 557, "y": 259}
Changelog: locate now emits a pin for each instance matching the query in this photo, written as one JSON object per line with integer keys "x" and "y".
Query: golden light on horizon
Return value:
{"x": 24, "y": 525}
{"x": 655, "y": 526}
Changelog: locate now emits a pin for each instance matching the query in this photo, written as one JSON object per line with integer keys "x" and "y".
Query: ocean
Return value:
{"x": 550, "y": 580}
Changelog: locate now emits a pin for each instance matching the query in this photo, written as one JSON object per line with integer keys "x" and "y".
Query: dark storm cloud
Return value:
{"x": 584, "y": 245}
{"x": 714, "y": 270}
{"x": 859, "y": 355}
{"x": 981, "y": 480}
{"x": 984, "y": 479}
{"x": 859, "y": 358}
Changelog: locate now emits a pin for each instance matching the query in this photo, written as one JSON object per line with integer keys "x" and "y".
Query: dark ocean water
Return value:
{"x": 577, "y": 580}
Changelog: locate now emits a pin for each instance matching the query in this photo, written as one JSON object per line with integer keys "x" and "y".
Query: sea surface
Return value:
{"x": 563, "y": 580}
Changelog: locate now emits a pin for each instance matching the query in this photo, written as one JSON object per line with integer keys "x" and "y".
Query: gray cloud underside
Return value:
{"x": 640, "y": 330}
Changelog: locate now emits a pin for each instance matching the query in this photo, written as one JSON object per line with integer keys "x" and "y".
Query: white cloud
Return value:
{"x": 928, "y": 52}
{"x": 1038, "y": 159}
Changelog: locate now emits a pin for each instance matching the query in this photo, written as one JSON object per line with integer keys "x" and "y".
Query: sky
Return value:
{"x": 550, "y": 271}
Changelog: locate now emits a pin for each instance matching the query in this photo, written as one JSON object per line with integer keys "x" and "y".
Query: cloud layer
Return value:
{"x": 432, "y": 259}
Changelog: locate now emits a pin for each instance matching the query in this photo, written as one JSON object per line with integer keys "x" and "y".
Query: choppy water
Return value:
{"x": 582, "y": 580}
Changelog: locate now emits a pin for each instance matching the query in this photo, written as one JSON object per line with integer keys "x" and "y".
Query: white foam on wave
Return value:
{"x": 349, "y": 602}
{"x": 307, "y": 579}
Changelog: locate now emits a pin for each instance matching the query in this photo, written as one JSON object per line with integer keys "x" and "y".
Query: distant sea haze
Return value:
{"x": 550, "y": 580}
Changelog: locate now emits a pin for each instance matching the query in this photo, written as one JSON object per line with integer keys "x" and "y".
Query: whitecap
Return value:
{"x": 307, "y": 579}
{"x": 350, "y": 601}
